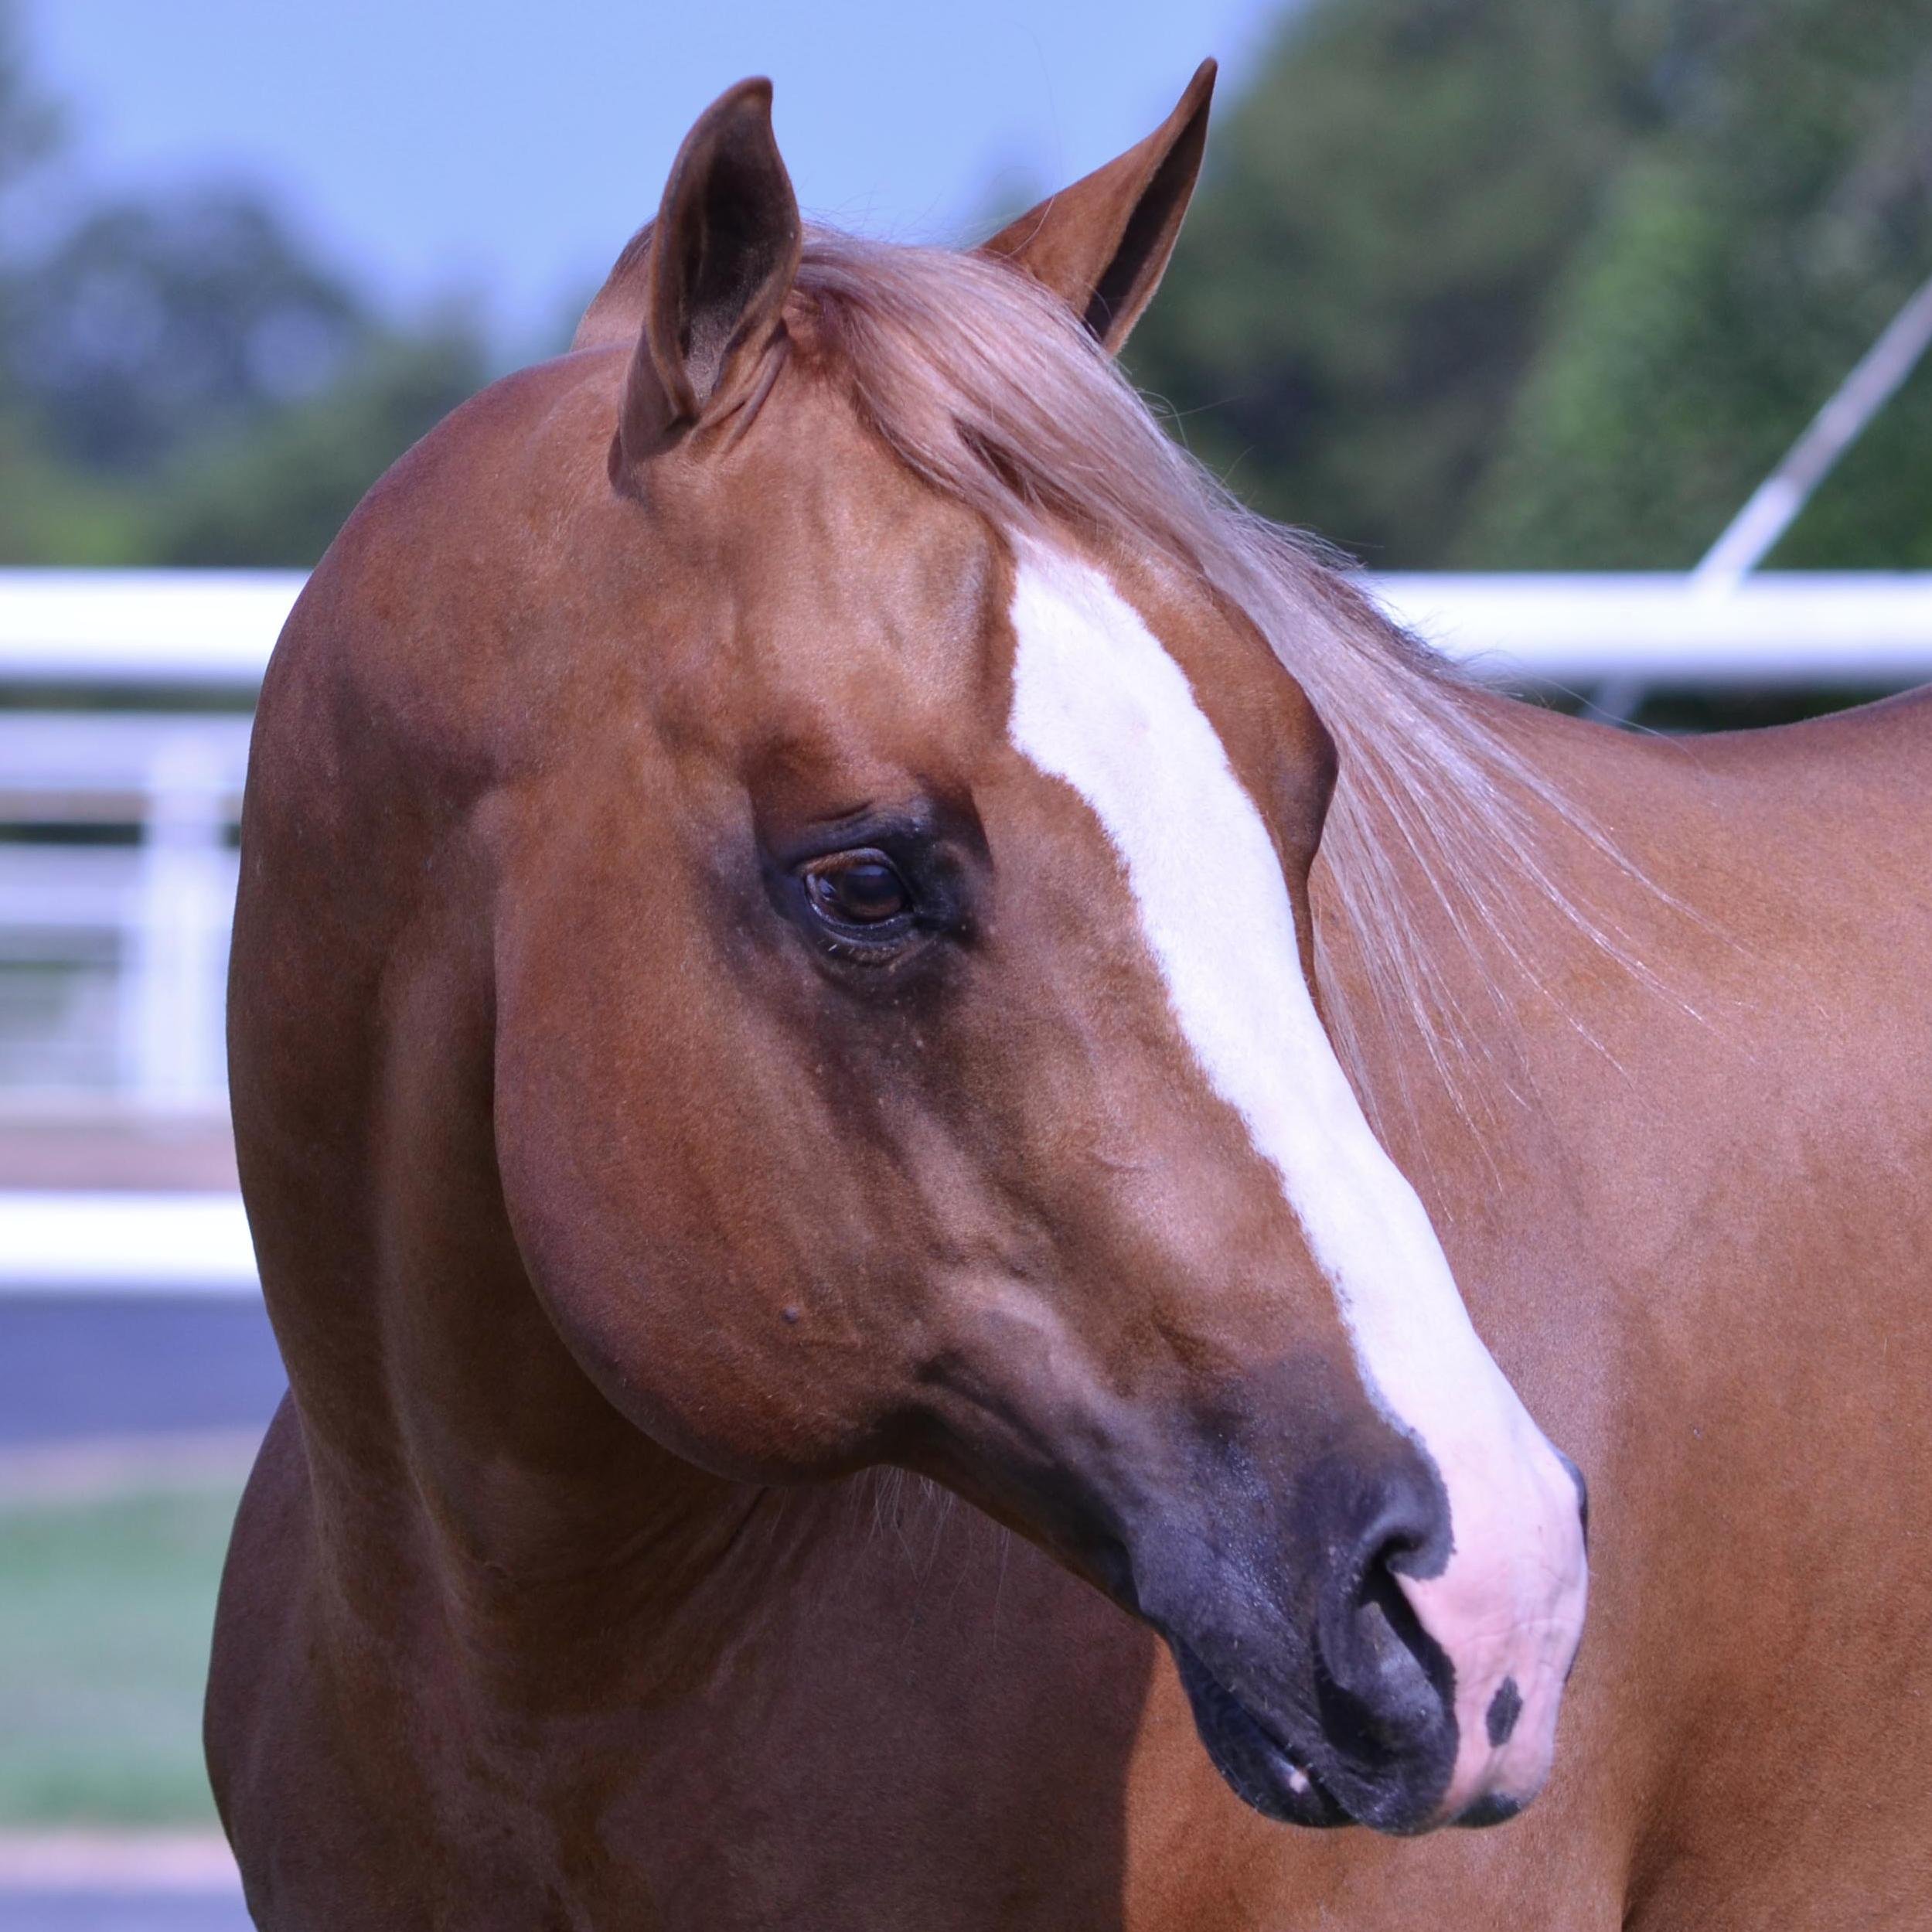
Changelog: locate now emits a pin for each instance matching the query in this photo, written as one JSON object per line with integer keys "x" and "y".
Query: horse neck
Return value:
{"x": 460, "y": 1456}
{"x": 463, "y": 1464}
{"x": 1522, "y": 978}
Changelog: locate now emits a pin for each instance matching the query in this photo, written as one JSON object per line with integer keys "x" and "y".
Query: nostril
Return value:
{"x": 1384, "y": 1690}
{"x": 1387, "y": 1685}
{"x": 1384, "y": 1609}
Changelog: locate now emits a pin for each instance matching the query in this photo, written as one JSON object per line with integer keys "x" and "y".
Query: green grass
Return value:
{"x": 105, "y": 1611}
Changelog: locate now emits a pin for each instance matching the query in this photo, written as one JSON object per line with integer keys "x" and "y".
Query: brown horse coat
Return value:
{"x": 581, "y": 1583}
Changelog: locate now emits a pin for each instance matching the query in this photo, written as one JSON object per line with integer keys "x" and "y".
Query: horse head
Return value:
{"x": 906, "y": 1040}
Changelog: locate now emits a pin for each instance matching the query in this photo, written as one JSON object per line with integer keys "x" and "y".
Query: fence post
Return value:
{"x": 172, "y": 991}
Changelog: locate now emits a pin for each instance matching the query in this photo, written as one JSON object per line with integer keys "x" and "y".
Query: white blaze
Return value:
{"x": 1100, "y": 704}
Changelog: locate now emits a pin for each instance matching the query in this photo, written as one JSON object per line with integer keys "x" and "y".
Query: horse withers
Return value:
{"x": 844, "y": 979}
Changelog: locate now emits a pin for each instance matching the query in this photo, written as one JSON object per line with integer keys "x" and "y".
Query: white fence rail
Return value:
{"x": 1785, "y": 630}
{"x": 118, "y": 818}
{"x": 114, "y": 953}
{"x": 124, "y": 1242}
{"x": 209, "y": 630}
{"x": 212, "y": 631}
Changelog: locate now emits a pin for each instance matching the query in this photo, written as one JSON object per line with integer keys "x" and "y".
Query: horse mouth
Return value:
{"x": 1257, "y": 1767}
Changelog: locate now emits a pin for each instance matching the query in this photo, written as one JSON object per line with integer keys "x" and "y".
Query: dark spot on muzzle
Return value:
{"x": 1504, "y": 1707}
{"x": 1497, "y": 1808}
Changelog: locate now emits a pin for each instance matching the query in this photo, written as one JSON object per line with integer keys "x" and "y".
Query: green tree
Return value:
{"x": 155, "y": 323}
{"x": 1513, "y": 282}
{"x": 183, "y": 380}
{"x": 276, "y": 493}
{"x": 1361, "y": 284}
{"x": 1745, "y": 261}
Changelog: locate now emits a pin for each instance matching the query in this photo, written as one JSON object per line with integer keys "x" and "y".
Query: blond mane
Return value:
{"x": 987, "y": 386}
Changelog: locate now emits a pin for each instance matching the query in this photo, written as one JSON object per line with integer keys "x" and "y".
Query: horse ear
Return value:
{"x": 721, "y": 261}
{"x": 1102, "y": 245}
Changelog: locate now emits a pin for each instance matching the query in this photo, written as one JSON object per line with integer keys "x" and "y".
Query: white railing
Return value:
{"x": 120, "y": 781}
{"x": 201, "y": 630}
{"x": 211, "y": 631}
{"x": 114, "y": 953}
{"x": 1786, "y": 630}
{"x": 118, "y": 820}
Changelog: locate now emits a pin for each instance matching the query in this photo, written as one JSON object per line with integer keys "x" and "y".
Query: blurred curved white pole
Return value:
{"x": 1773, "y": 505}
{"x": 1776, "y": 502}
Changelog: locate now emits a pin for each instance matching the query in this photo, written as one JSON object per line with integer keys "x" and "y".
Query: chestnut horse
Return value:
{"x": 887, "y": 1061}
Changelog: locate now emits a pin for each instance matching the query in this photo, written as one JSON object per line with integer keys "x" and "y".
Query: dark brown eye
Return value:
{"x": 857, "y": 889}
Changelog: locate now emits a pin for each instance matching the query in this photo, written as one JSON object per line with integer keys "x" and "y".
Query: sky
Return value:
{"x": 504, "y": 150}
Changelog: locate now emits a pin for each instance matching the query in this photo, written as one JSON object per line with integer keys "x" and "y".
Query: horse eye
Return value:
{"x": 857, "y": 889}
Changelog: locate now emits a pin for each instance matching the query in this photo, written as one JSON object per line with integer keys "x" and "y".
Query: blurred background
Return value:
{"x": 1519, "y": 300}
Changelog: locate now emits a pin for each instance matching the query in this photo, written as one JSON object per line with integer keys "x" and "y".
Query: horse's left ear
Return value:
{"x": 721, "y": 258}
{"x": 1102, "y": 245}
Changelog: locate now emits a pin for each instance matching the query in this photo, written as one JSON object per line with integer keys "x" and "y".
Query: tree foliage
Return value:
{"x": 1515, "y": 283}
{"x": 183, "y": 380}
{"x": 1492, "y": 283}
{"x": 156, "y": 323}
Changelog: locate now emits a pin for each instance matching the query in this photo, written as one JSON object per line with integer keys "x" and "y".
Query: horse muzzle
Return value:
{"x": 1407, "y": 1683}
